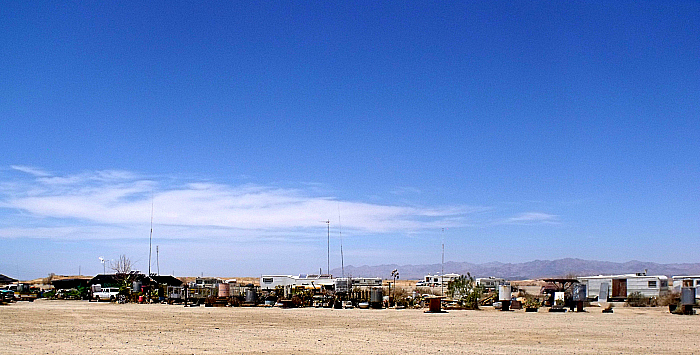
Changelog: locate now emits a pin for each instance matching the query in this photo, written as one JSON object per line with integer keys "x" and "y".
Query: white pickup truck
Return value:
{"x": 100, "y": 293}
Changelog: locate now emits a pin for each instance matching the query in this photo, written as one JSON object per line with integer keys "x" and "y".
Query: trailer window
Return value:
{"x": 267, "y": 280}
{"x": 652, "y": 284}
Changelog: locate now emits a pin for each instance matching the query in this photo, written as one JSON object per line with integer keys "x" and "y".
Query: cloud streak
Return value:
{"x": 119, "y": 202}
{"x": 532, "y": 218}
{"x": 30, "y": 170}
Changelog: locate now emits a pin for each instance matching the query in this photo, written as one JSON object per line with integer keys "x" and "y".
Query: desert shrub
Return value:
{"x": 637, "y": 299}
{"x": 669, "y": 298}
{"x": 464, "y": 288}
{"x": 531, "y": 301}
{"x": 423, "y": 290}
{"x": 400, "y": 296}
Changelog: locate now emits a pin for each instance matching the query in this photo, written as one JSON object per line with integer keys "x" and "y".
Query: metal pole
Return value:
{"x": 150, "y": 238}
{"x": 442, "y": 266}
{"x": 328, "y": 265}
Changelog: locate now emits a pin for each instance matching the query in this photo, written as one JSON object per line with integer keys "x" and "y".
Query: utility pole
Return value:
{"x": 442, "y": 265}
{"x": 328, "y": 260}
{"x": 340, "y": 232}
{"x": 150, "y": 239}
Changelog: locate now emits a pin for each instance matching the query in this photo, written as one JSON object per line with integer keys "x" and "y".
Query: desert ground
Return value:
{"x": 81, "y": 327}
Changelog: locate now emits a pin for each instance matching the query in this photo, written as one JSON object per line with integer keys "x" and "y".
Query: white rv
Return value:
{"x": 620, "y": 286}
{"x": 270, "y": 282}
{"x": 687, "y": 281}
{"x": 490, "y": 283}
{"x": 437, "y": 279}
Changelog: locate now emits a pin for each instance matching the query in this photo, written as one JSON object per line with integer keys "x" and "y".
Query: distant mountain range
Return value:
{"x": 522, "y": 271}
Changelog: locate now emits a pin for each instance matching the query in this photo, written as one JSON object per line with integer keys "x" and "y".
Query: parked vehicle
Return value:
{"x": 7, "y": 296}
{"x": 102, "y": 294}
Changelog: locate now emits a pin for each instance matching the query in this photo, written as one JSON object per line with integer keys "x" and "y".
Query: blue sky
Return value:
{"x": 528, "y": 130}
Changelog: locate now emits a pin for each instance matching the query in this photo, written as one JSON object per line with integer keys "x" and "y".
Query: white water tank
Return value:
{"x": 504, "y": 293}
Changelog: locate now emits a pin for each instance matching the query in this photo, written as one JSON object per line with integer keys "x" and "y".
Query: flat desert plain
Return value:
{"x": 81, "y": 327}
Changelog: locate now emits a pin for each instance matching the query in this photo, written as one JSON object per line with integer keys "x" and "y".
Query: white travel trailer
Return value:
{"x": 687, "y": 281}
{"x": 490, "y": 283}
{"x": 620, "y": 286}
{"x": 270, "y": 282}
{"x": 366, "y": 282}
{"x": 436, "y": 280}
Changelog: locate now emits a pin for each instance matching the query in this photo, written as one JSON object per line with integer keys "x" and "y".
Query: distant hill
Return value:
{"x": 521, "y": 271}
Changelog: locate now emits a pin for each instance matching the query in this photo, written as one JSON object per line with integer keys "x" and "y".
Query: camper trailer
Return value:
{"x": 490, "y": 283}
{"x": 687, "y": 281}
{"x": 270, "y": 282}
{"x": 620, "y": 286}
{"x": 437, "y": 280}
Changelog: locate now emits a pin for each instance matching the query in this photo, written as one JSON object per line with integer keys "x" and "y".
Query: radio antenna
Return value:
{"x": 328, "y": 265}
{"x": 150, "y": 238}
{"x": 340, "y": 232}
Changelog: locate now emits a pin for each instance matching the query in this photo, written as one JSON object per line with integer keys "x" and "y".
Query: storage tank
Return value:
{"x": 250, "y": 296}
{"x": 376, "y": 296}
{"x": 687, "y": 296}
{"x": 504, "y": 293}
{"x": 224, "y": 290}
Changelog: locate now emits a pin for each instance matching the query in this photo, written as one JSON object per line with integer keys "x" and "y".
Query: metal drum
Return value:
{"x": 504, "y": 293}
{"x": 376, "y": 297}
{"x": 687, "y": 296}
{"x": 250, "y": 296}
{"x": 224, "y": 290}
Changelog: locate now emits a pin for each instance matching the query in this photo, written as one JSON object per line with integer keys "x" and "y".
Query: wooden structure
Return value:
{"x": 435, "y": 304}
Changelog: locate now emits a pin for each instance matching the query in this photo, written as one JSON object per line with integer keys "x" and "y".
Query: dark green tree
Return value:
{"x": 464, "y": 289}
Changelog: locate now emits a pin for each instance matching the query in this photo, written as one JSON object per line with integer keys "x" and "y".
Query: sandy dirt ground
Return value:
{"x": 81, "y": 327}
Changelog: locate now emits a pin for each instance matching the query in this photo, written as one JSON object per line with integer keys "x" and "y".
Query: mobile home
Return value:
{"x": 270, "y": 282}
{"x": 687, "y": 281}
{"x": 437, "y": 280}
{"x": 490, "y": 283}
{"x": 620, "y": 286}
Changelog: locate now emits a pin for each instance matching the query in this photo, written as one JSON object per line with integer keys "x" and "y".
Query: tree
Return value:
{"x": 464, "y": 288}
{"x": 123, "y": 273}
{"x": 122, "y": 265}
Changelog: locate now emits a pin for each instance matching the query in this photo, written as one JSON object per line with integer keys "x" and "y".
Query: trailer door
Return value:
{"x": 619, "y": 288}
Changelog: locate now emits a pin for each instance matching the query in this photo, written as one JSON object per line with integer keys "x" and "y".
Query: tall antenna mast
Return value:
{"x": 340, "y": 231}
{"x": 442, "y": 265}
{"x": 328, "y": 260}
{"x": 150, "y": 238}
{"x": 157, "y": 261}
{"x": 328, "y": 265}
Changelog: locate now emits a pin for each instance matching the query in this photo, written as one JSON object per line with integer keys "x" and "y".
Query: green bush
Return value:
{"x": 464, "y": 288}
{"x": 637, "y": 299}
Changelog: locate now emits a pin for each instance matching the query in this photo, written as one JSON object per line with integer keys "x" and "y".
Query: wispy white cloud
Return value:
{"x": 533, "y": 217}
{"x": 116, "y": 203}
{"x": 30, "y": 170}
